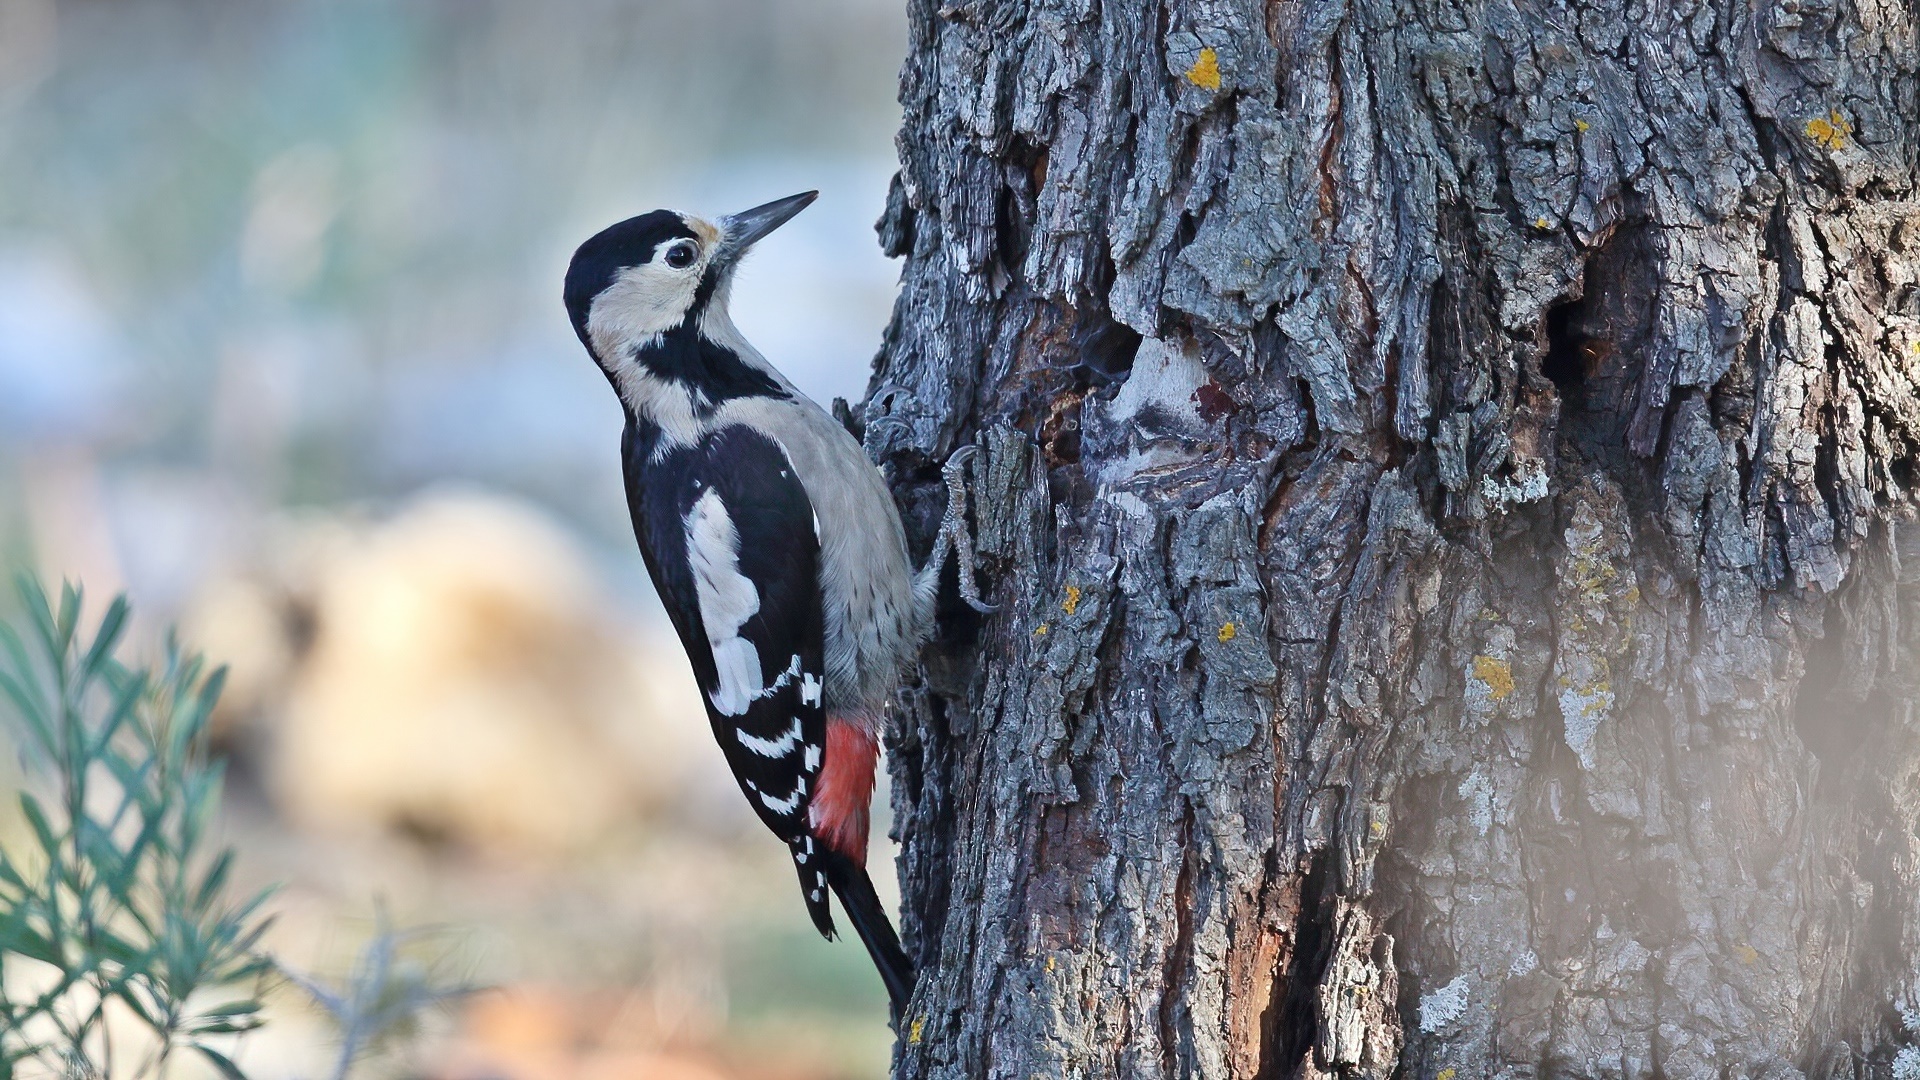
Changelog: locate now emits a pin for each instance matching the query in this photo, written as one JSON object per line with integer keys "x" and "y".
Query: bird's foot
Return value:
{"x": 954, "y": 534}
{"x": 889, "y": 423}
{"x": 883, "y": 426}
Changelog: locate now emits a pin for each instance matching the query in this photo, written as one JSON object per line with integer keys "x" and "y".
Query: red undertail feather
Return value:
{"x": 840, "y": 803}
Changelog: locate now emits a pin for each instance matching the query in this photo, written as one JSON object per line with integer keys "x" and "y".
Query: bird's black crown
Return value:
{"x": 598, "y": 261}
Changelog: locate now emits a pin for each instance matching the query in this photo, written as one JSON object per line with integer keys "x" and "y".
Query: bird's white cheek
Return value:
{"x": 644, "y": 303}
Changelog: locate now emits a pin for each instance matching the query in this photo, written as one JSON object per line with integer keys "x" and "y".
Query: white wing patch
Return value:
{"x": 727, "y": 600}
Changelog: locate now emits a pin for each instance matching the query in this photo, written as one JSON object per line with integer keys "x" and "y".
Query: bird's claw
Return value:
{"x": 880, "y": 423}
{"x": 956, "y": 464}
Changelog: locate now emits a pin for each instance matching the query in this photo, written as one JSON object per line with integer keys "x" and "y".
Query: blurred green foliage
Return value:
{"x": 116, "y": 914}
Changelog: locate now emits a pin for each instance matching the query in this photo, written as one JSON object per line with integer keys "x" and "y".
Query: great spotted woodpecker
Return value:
{"x": 773, "y": 541}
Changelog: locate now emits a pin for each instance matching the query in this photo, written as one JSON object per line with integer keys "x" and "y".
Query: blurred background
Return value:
{"x": 282, "y": 355}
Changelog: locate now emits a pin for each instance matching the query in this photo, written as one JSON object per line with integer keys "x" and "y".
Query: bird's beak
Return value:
{"x": 742, "y": 230}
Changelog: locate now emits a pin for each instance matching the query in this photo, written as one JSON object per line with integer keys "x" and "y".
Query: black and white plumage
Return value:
{"x": 720, "y": 514}
{"x": 773, "y": 541}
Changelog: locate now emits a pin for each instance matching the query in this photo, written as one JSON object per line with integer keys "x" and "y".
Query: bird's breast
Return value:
{"x": 866, "y": 580}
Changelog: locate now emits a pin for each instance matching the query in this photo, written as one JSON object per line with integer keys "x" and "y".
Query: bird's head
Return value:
{"x": 635, "y": 284}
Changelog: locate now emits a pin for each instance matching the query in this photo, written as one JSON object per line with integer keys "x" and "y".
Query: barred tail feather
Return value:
{"x": 813, "y": 890}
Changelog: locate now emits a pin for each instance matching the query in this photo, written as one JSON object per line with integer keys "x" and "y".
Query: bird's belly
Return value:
{"x": 869, "y": 612}
{"x": 866, "y": 581}
{"x": 868, "y": 590}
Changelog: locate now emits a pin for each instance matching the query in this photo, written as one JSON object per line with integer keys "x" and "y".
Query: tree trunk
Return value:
{"x": 1445, "y": 481}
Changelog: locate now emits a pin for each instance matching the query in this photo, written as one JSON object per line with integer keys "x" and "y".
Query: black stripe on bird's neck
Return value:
{"x": 686, "y": 356}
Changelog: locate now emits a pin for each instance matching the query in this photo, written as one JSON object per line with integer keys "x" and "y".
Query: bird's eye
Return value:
{"x": 680, "y": 256}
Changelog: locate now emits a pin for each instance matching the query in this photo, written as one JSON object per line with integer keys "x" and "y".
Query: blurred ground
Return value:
{"x": 282, "y": 354}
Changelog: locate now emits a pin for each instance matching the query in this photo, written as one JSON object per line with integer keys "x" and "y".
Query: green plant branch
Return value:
{"x": 146, "y": 921}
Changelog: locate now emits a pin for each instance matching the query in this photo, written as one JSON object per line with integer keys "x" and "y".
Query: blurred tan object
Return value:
{"x": 67, "y": 514}
{"x": 465, "y": 682}
{"x": 254, "y": 615}
{"x": 532, "y": 1032}
{"x": 236, "y": 622}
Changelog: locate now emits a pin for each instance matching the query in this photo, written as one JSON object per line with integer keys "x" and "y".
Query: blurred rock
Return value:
{"x": 235, "y": 622}
{"x": 536, "y": 1032}
{"x": 452, "y": 673}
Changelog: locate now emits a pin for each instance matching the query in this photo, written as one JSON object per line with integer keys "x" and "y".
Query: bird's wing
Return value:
{"x": 732, "y": 544}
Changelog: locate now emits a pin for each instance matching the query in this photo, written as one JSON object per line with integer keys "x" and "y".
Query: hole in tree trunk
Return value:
{"x": 1102, "y": 347}
{"x": 1596, "y": 344}
{"x": 1566, "y": 360}
{"x": 1105, "y": 348}
{"x": 1293, "y": 1027}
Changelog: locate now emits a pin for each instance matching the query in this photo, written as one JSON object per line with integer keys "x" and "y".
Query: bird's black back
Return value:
{"x": 779, "y": 553}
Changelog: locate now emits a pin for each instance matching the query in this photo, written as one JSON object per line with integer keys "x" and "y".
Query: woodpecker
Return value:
{"x": 773, "y": 541}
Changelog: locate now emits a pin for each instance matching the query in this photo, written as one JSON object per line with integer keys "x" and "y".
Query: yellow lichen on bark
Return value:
{"x": 1830, "y": 130}
{"x": 1205, "y": 72}
{"x": 1496, "y": 673}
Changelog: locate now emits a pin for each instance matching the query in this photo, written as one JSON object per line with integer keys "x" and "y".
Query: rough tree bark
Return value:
{"x": 1446, "y": 478}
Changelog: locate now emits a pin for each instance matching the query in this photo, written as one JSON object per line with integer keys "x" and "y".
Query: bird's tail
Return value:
{"x": 855, "y": 889}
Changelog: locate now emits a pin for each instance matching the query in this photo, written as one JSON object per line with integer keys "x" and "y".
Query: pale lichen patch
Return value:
{"x": 1581, "y": 710}
{"x": 1527, "y": 484}
{"x": 1444, "y": 1007}
{"x": 1477, "y": 792}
